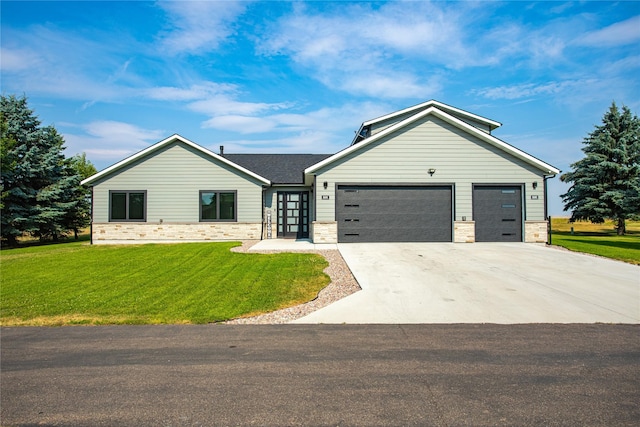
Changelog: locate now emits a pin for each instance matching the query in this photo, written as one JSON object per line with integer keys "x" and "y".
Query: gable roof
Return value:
{"x": 159, "y": 145}
{"x": 278, "y": 168}
{"x": 437, "y": 112}
{"x": 491, "y": 124}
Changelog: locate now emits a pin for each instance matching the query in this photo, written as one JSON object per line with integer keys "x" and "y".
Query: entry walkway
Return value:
{"x": 291, "y": 245}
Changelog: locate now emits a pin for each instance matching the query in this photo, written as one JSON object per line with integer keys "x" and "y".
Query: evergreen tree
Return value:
{"x": 20, "y": 135}
{"x": 606, "y": 182}
{"x": 7, "y": 158}
{"x": 38, "y": 184}
{"x": 56, "y": 185}
{"x": 80, "y": 217}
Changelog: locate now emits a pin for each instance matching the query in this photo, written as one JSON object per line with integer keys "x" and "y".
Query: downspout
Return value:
{"x": 315, "y": 207}
{"x": 546, "y": 213}
{"x": 91, "y": 223}
{"x": 264, "y": 220}
{"x": 545, "y": 178}
{"x": 315, "y": 198}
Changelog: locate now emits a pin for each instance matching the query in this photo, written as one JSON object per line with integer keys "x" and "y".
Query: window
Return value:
{"x": 128, "y": 206}
{"x": 217, "y": 205}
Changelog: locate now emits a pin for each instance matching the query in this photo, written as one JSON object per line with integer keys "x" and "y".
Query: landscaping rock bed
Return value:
{"x": 342, "y": 284}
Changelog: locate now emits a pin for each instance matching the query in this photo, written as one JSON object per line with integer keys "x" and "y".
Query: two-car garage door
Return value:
{"x": 394, "y": 213}
{"x": 380, "y": 213}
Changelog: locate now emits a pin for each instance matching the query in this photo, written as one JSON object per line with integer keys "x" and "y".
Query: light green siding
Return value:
{"x": 406, "y": 156}
{"x": 382, "y": 125}
{"x": 173, "y": 178}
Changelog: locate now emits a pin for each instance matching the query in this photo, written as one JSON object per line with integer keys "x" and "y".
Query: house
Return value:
{"x": 428, "y": 173}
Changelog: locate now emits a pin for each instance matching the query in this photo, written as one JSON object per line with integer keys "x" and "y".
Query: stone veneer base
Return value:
{"x": 464, "y": 231}
{"x": 118, "y": 232}
{"x": 324, "y": 232}
{"x": 535, "y": 231}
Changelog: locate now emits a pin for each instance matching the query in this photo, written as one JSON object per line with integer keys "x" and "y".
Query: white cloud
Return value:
{"x": 220, "y": 102}
{"x": 109, "y": 141}
{"x": 191, "y": 93}
{"x": 303, "y": 142}
{"x": 18, "y": 59}
{"x": 378, "y": 52}
{"x": 391, "y": 85}
{"x": 199, "y": 26}
{"x": 405, "y": 49}
{"x": 528, "y": 90}
{"x": 324, "y": 130}
{"x": 618, "y": 34}
{"x": 224, "y": 104}
{"x": 240, "y": 124}
{"x": 45, "y": 60}
{"x": 337, "y": 119}
{"x": 363, "y": 36}
{"x": 119, "y": 131}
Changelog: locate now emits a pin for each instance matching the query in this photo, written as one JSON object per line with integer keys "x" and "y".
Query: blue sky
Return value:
{"x": 300, "y": 77}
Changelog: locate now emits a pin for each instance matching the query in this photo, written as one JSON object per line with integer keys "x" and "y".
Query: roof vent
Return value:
{"x": 222, "y": 150}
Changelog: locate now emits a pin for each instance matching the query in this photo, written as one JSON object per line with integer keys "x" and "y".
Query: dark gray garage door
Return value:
{"x": 497, "y": 211}
{"x": 393, "y": 213}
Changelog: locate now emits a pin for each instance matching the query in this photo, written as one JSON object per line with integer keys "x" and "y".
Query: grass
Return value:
{"x": 598, "y": 239}
{"x": 75, "y": 283}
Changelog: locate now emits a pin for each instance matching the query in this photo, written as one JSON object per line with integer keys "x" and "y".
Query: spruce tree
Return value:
{"x": 38, "y": 184}
{"x": 80, "y": 216}
{"x": 606, "y": 182}
{"x": 55, "y": 187}
{"x": 20, "y": 135}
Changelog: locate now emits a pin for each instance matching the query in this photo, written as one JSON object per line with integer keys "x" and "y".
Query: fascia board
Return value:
{"x": 155, "y": 147}
{"x": 450, "y": 119}
{"x": 491, "y": 123}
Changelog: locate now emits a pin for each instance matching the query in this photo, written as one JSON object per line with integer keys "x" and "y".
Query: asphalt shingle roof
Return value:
{"x": 278, "y": 168}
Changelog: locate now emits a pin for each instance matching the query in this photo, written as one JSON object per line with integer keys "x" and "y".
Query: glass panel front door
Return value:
{"x": 293, "y": 214}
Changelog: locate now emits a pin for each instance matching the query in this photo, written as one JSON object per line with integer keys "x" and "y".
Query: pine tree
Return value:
{"x": 38, "y": 184}
{"x": 55, "y": 187}
{"x": 606, "y": 182}
{"x": 80, "y": 217}
{"x": 20, "y": 135}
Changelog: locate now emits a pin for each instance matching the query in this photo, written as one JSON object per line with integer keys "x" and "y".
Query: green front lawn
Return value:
{"x": 75, "y": 283}
{"x": 598, "y": 239}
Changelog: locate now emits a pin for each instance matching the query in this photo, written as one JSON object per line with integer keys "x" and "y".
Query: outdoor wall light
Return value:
{"x": 325, "y": 185}
{"x": 535, "y": 184}
{"x": 432, "y": 171}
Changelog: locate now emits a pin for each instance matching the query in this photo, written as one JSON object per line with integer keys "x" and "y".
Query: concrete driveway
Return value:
{"x": 483, "y": 283}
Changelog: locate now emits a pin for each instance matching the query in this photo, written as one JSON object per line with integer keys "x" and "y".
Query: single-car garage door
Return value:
{"x": 394, "y": 213}
{"x": 497, "y": 212}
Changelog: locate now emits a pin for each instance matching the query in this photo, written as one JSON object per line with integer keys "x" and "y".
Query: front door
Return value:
{"x": 293, "y": 214}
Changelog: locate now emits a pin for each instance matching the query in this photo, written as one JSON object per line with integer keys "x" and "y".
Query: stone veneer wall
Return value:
{"x": 464, "y": 231}
{"x": 535, "y": 231}
{"x": 203, "y": 231}
{"x": 324, "y": 232}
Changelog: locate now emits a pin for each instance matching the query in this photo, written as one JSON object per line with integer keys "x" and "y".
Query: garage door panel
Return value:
{"x": 497, "y": 212}
{"x": 394, "y": 214}
{"x": 390, "y": 235}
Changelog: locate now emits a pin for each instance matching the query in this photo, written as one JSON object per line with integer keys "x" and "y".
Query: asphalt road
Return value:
{"x": 333, "y": 375}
